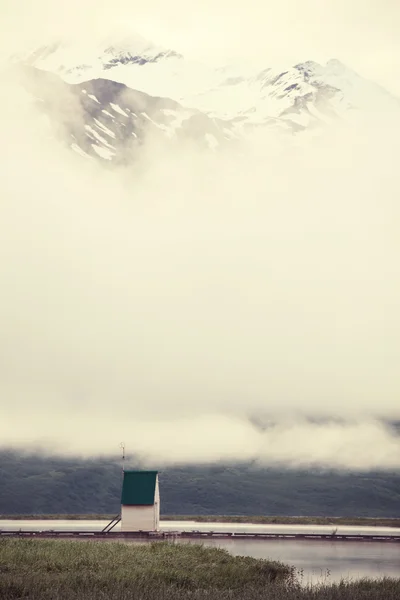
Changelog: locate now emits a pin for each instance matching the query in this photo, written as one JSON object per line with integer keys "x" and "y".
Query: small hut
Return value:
{"x": 140, "y": 501}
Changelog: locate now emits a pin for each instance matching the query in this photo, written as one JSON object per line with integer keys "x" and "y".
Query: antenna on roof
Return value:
{"x": 122, "y": 446}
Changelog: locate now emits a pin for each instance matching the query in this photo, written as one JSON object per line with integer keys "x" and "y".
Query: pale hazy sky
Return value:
{"x": 164, "y": 309}
{"x": 361, "y": 33}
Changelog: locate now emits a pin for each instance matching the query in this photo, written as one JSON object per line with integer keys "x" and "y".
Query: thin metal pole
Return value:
{"x": 122, "y": 446}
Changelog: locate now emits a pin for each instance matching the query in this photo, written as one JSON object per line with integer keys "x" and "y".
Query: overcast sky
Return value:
{"x": 361, "y": 33}
{"x": 166, "y": 309}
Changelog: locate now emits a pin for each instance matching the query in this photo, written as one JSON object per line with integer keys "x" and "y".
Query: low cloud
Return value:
{"x": 208, "y": 438}
{"x": 284, "y": 31}
{"x": 164, "y": 304}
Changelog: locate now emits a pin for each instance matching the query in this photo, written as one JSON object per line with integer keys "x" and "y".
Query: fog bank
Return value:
{"x": 165, "y": 304}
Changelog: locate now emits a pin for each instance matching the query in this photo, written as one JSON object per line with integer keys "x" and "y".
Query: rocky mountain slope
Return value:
{"x": 303, "y": 94}
{"x": 124, "y": 89}
{"x": 107, "y": 120}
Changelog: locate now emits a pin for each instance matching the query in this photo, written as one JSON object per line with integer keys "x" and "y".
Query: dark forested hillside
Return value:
{"x": 35, "y": 484}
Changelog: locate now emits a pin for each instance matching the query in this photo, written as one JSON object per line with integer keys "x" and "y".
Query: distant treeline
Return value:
{"x": 37, "y": 484}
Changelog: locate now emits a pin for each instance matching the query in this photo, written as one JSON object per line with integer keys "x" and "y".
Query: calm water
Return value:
{"x": 328, "y": 561}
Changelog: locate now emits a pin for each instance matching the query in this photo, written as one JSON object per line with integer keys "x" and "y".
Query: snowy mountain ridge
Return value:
{"x": 78, "y": 61}
{"x": 159, "y": 89}
{"x": 306, "y": 93}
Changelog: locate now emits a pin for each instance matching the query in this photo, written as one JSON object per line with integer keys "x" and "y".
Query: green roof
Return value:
{"x": 139, "y": 487}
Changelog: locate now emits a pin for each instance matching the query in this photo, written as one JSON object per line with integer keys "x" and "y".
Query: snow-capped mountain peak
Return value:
{"x": 89, "y": 60}
{"x": 292, "y": 99}
{"x": 306, "y": 94}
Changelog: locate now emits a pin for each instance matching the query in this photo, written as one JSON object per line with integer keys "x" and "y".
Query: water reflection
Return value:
{"x": 322, "y": 560}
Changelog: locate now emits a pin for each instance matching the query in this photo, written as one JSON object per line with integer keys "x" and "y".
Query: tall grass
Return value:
{"x": 72, "y": 570}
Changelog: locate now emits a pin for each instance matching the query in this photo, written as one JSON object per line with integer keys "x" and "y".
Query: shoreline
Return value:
{"x": 168, "y": 536}
{"x": 254, "y": 520}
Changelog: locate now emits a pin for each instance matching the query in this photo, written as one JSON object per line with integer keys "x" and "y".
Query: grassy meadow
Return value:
{"x": 73, "y": 570}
